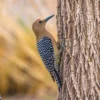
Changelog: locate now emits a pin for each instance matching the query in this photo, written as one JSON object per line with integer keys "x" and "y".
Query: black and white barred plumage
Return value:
{"x": 46, "y": 52}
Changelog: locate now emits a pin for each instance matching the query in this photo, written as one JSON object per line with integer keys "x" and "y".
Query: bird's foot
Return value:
{"x": 61, "y": 46}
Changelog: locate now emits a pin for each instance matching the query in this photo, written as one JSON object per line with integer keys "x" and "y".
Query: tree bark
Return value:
{"x": 78, "y": 24}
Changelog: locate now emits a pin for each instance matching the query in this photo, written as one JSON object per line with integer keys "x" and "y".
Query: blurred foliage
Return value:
{"x": 21, "y": 68}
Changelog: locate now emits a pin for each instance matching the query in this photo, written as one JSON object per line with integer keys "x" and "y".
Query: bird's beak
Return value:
{"x": 48, "y": 18}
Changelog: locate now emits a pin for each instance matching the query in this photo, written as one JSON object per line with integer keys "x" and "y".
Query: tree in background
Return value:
{"x": 78, "y": 24}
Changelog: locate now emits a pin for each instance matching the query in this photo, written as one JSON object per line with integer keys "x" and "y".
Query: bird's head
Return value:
{"x": 39, "y": 25}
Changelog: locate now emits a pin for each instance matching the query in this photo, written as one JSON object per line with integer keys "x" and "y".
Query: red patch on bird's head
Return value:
{"x": 37, "y": 19}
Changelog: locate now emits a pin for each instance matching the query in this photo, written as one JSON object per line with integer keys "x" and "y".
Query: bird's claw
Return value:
{"x": 61, "y": 46}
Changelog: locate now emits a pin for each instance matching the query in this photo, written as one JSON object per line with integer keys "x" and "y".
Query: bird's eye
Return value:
{"x": 40, "y": 21}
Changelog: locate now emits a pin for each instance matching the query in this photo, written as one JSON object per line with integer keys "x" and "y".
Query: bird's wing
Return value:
{"x": 46, "y": 52}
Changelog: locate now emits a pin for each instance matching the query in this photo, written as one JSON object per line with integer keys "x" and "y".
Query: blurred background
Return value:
{"x": 22, "y": 73}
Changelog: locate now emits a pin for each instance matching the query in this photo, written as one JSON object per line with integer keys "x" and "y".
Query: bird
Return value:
{"x": 47, "y": 48}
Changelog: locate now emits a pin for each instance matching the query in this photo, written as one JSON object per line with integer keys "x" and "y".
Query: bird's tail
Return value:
{"x": 58, "y": 80}
{"x": 52, "y": 77}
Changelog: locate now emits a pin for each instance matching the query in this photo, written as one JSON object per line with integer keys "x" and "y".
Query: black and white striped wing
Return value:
{"x": 46, "y": 52}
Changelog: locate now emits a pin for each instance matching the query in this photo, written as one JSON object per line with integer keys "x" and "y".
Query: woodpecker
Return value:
{"x": 47, "y": 48}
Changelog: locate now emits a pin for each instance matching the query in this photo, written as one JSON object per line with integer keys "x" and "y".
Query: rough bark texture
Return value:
{"x": 78, "y": 24}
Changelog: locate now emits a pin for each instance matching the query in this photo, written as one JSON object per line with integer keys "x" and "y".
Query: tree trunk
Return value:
{"x": 78, "y": 24}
